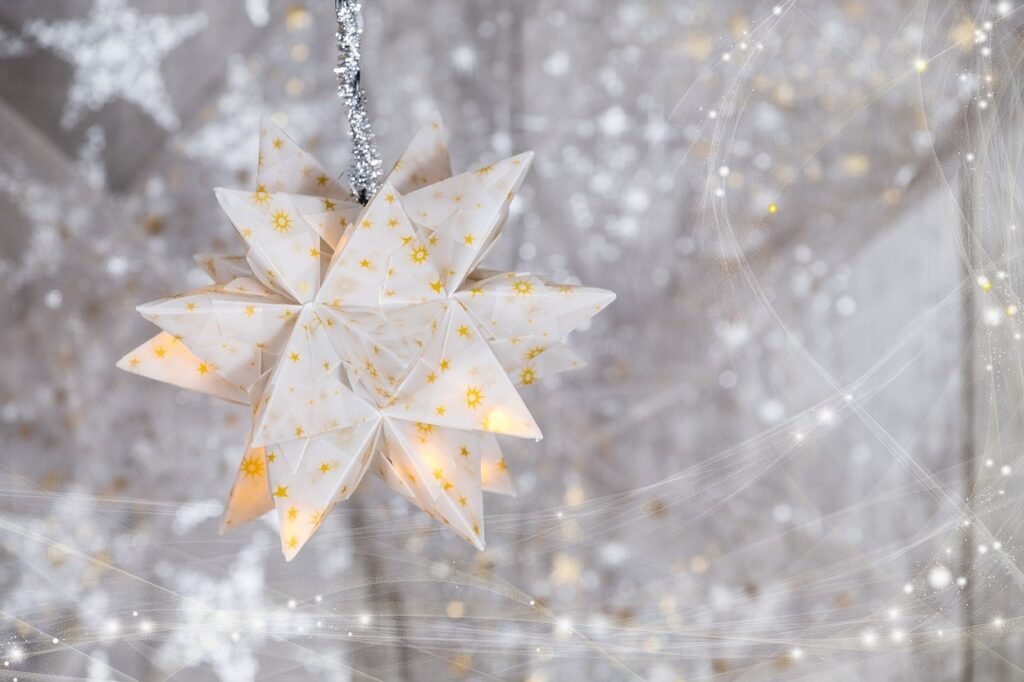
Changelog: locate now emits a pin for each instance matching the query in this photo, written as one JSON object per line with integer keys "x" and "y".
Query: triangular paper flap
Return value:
{"x": 425, "y": 161}
{"x": 527, "y": 363}
{"x": 382, "y": 261}
{"x": 305, "y": 396}
{"x": 353, "y": 476}
{"x": 494, "y": 475}
{"x": 442, "y": 469}
{"x": 284, "y": 249}
{"x": 223, "y": 268}
{"x": 329, "y": 217}
{"x": 378, "y": 349}
{"x": 227, "y": 330}
{"x": 520, "y": 305}
{"x": 289, "y": 453}
{"x": 165, "y": 358}
{"x": 458, "y": 382}
{"x": 388, "y": 473}
{"x": 250, "y": 495}
{"x": 463, "y": 214}
{"x": 490, "y": 185}
{"x": 250, "y": 286}
{"x": 367, "y": 345}
{"x": 409, "y": 329}
{"x": 332, "y": 467}
{"x": 283, "y": 166}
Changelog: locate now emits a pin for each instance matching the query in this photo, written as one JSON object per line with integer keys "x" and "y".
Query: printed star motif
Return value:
{"x": 116, "y": 52}
{"x": 252, "y": 466}
{"x": 388, "y": 351}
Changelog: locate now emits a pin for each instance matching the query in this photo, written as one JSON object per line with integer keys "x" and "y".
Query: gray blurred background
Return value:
{"x": 796, "y": 452}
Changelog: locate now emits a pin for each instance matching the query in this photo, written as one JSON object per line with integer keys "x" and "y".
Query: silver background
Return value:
{"x": 790, "y": 439}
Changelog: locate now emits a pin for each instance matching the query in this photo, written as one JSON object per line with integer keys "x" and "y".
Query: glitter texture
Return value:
{"x": 365, "y": 172}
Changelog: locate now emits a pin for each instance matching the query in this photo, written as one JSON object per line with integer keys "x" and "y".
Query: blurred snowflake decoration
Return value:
{"x": 116, "y": 52}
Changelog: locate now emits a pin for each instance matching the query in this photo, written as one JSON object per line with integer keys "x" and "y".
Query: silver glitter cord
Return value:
{"x": 366, "y": 171}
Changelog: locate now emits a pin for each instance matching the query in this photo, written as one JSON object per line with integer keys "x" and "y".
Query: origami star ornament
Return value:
{"x": 368, "y": 338}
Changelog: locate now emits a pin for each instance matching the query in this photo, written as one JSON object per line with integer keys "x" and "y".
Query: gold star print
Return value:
{"x": 424, "y": 428}
{"x": 392, "y": 222}
{"x": 160, "y": 351}
{"x": 463, "y": 501}
{"x": 432, "y": 240}
{"x": 484, "y": 170}
{"x": 476, "y": 292}
{"x": 534, "y": 352}
{"x": 474, "y": 396}
{"x": 203, "y": 368}
{"x": 293, "y": 542}
{"x": 367, "y": 224}
{"x": 463, "y": 331}
{"x": 190, "y": 306}
{"x": 325, "y": 467}
{"x": 314, "y": 252}
{"x": 445, "y": 365}
{"x": 247, "y": 233}
{"x": 328, "y": 204}
{"x": 501, "y": 465}
{"x": 527, "y": 375}
{"x": 261, "y": 197}
{"x": 299, "y": 431}
{"x": 282, "y": 221}
{"x": 134, "y": 362}
{"x": 292, "y": 513}
{"x": 278, "y": 143}
{"x": 437, "y": 286}
{"x": 252, "y": 466}
{"x": 366, "y": 264}
{"x": 431, "y": 378}
{"x": 390, "y": 198}
{"x": 406, "y": 240}
{"x": 322, "y": 180}
{"x": 522, "y": 287}
{"x": 440, "y": 410}
{"x": 468, "y": 240}
{"x": 282, "y": 491}
{"x": 419, "y": 254}
{"x": 317, "y": 517}
{"x": 438, "y": 474}
{"x": 464, "y": 451}
{"x": 294, "y": 357}
{"x": 250, "y": 310}
{"x": 271, "y": 456}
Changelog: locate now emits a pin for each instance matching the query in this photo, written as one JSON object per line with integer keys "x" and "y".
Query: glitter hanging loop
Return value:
{"x": 365, "y": 172}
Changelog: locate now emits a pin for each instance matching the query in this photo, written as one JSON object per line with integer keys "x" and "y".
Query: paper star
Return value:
{"x": 116, "y": 51}
{"x": 401, "y": 358}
